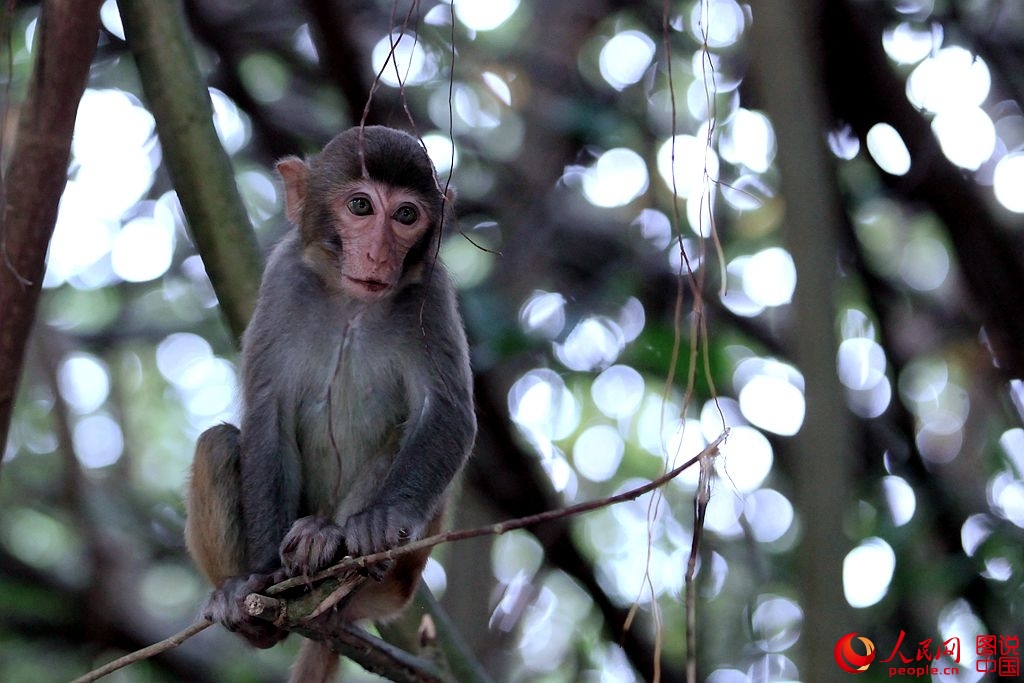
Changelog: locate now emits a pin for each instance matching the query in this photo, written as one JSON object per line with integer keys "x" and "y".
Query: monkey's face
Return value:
{"x": 367, "y": 207}
{"x": 374, "y": 227}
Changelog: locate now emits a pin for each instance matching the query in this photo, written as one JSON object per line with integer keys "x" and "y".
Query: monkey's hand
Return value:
{"x": 225, "y": 606}
{"x": 312, "y": 544}
{"x": 381, "y": 527}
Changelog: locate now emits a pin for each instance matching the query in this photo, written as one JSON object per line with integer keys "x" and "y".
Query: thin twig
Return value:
{"x": 348, "y": 564}
{"x": 700, "y": 508}
{"x": 146, "y": 652}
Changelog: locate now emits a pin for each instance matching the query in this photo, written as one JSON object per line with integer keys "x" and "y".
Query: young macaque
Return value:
{"x": 358, "y": 407}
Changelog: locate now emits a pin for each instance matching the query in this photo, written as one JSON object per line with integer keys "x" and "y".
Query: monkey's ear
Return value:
{"x": 293, "y": 171}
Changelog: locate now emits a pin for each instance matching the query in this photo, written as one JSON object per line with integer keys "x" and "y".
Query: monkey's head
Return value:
{"x": 368, "y": 207}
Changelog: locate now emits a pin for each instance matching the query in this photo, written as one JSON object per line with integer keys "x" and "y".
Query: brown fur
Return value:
{"x": 212, "y": 533}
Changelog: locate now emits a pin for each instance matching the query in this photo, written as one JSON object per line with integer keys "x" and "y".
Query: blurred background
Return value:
{"x": 592, "y": 145}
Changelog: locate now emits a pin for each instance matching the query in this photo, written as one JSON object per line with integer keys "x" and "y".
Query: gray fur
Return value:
{"x": 357, "y": 413}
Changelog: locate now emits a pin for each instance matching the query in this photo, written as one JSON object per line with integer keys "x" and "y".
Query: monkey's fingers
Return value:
{"x": 380, "y": 527}
{"x": 310, "y": 545}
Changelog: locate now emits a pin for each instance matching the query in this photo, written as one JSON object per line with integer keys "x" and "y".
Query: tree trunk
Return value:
{"x": 33, "y": 184}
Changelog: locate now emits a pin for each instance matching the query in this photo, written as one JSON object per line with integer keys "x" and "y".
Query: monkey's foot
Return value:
{"x": 226, "y": 606}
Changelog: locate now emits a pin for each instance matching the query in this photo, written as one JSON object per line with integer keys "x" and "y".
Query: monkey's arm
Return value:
{"x": 438, "y": 436}
{"x": 271, "y": 474}
{"x": 221, "y": 524}
{"x": 271, "y": 481}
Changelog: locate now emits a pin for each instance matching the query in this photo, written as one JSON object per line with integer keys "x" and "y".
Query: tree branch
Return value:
{"x": 146, "y": 652}
{"x": 786, "y": 49}
{"x": 360, "y": 563}
{"x": 376, "y": 655}
{"x": 199, "y": 167}
{"x": 38, "y": 173}
{"x": 373, "y": 654}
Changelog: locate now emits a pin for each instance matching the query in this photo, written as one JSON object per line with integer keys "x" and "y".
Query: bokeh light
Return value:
{"x": 113, "y": 162}
{"x": 542, "y": 406}
{"x": 775, "y": 622}
{"x": 967, "y": 136}
{"x": 618, "y": 177}
{"x": 232, "y": 127}
{"x": 98, "y": 441}
{"x": 748, "y": 139}
{"x": 594, "y": 343}
{"x": 908, "y": 42}
{"x": 769, "y": 515}
{"x": 718, "y": 22}
{"x": 686, "y": 164}
{"x": 1007, "y": 181}
{"x": 544, "y": 314}
{"x": 84, "y": 382}
{"x": 951, "y": 79}
{"x": 484, "y": 15}
{"x": 924, "y": 263}
{"x": 207, "y": 385}
{"x": 901, "y": 499}
{"x": 867, "y": 572}
{"x": 746, "y": 460}
{"x": 143, "y": 249}
{"x": 499, "y": 86}
{"x": 597, "y": 452}
{"x": 402, "y": 59}
{"x": 770, "y": 395}
{"x": 888, "y": 149}
{"x": 862, "y": 366}
{"x": 769, "y": 277}
{"x": 618, "y": 391}
{"x": 625, "y": 58}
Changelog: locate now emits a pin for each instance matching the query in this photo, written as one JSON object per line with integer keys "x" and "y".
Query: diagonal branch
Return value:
{"x": 358, "y": 646}
{"x": 37, "y": 175}
{"x": 146, "y": 652}
{"x": 199, "y": 167}
{"x": 360, "y": 563}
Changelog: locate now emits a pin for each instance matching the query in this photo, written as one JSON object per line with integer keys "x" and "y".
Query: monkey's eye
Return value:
{"x": 406, "y": 214}
{"x": 360, "y": 206}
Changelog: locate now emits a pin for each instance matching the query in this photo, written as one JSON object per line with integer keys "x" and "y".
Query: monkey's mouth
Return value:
{"x": 373, "y": 286}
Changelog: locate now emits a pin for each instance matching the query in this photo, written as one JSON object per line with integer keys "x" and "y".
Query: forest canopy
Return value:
{"x": 799, "y": 222}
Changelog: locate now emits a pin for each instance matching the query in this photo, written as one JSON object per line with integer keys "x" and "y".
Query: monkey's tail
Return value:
{"x": 315, "y": 664}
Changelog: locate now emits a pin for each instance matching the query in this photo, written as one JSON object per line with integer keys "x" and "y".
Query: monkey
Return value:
{"x": 357, "y": 405}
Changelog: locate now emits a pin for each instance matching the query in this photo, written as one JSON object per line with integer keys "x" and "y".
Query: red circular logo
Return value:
{"x": 848, "y": 660}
